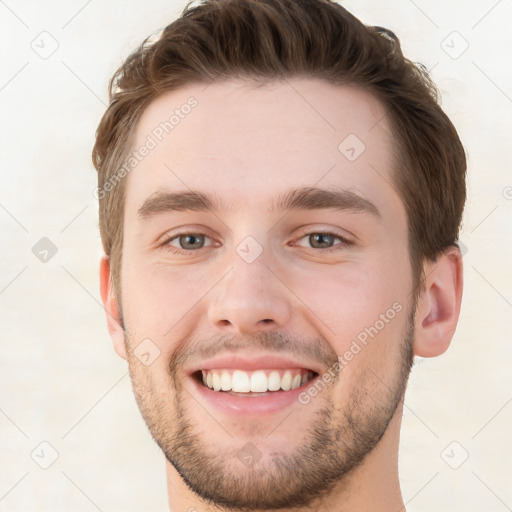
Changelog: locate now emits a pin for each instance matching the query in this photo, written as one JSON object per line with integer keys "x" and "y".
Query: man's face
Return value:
{"x": 256, "y": 290}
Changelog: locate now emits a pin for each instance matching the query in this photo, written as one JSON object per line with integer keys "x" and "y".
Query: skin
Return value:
{"x": 249, "y": 144}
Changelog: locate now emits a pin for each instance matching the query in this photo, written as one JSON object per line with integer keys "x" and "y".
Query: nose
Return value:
{"x": 249, "y": 299}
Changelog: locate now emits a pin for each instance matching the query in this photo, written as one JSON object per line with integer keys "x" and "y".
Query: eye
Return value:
{"x": 323, "y": 240}
{"x": 187, "y": 242}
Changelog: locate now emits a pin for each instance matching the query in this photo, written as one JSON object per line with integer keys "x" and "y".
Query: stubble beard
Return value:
{"x": 334, "y": 444}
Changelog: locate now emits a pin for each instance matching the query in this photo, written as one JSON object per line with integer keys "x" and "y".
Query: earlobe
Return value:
{"x": 114, "y": 323}
{"x": 439, "y": 304}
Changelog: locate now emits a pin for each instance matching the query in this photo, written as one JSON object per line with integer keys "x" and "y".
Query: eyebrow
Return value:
{"x": 306, "y": 198}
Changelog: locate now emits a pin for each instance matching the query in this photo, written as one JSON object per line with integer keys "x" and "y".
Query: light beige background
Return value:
{"x": 61, "y": 380}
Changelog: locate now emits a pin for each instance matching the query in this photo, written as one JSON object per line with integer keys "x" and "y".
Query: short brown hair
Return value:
{"x": 271, "y": 40}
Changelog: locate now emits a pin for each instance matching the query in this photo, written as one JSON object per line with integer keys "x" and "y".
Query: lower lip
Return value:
{"x": 250, "y": 405}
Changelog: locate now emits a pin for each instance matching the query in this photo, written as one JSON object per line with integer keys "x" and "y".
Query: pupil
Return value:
{"x": 187, "y": 239}
{"x": 319, "y": 237}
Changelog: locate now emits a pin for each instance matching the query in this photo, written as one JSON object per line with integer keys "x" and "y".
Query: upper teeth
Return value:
{"x": 258, "y": 381}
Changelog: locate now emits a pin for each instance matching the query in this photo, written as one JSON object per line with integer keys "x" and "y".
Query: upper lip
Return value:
{"x": 254, "y": 362}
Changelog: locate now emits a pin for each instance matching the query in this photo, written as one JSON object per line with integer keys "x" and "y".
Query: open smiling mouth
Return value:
{"x": 254, "y": 383}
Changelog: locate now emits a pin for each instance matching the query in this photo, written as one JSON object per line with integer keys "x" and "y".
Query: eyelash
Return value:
{"x": 175, "y": 250}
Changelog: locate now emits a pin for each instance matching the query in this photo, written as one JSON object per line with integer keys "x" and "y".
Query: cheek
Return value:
{"x": 159, "y": 295}
{"x": 343, "y": 302}
{"x": 348, "y": 299}
{"x": 361, "y": 311}
{"x": 162, "y": 304}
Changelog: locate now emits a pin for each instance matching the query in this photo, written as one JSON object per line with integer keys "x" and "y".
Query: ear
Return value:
{"x": 111, "y": 308}
{"x": 439, "y": 303}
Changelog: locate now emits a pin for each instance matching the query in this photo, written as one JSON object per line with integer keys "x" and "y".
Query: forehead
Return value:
{"x": 250, "y": 142}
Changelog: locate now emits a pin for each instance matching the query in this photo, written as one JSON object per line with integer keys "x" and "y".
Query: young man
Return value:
{"x": 280, "y": 200}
